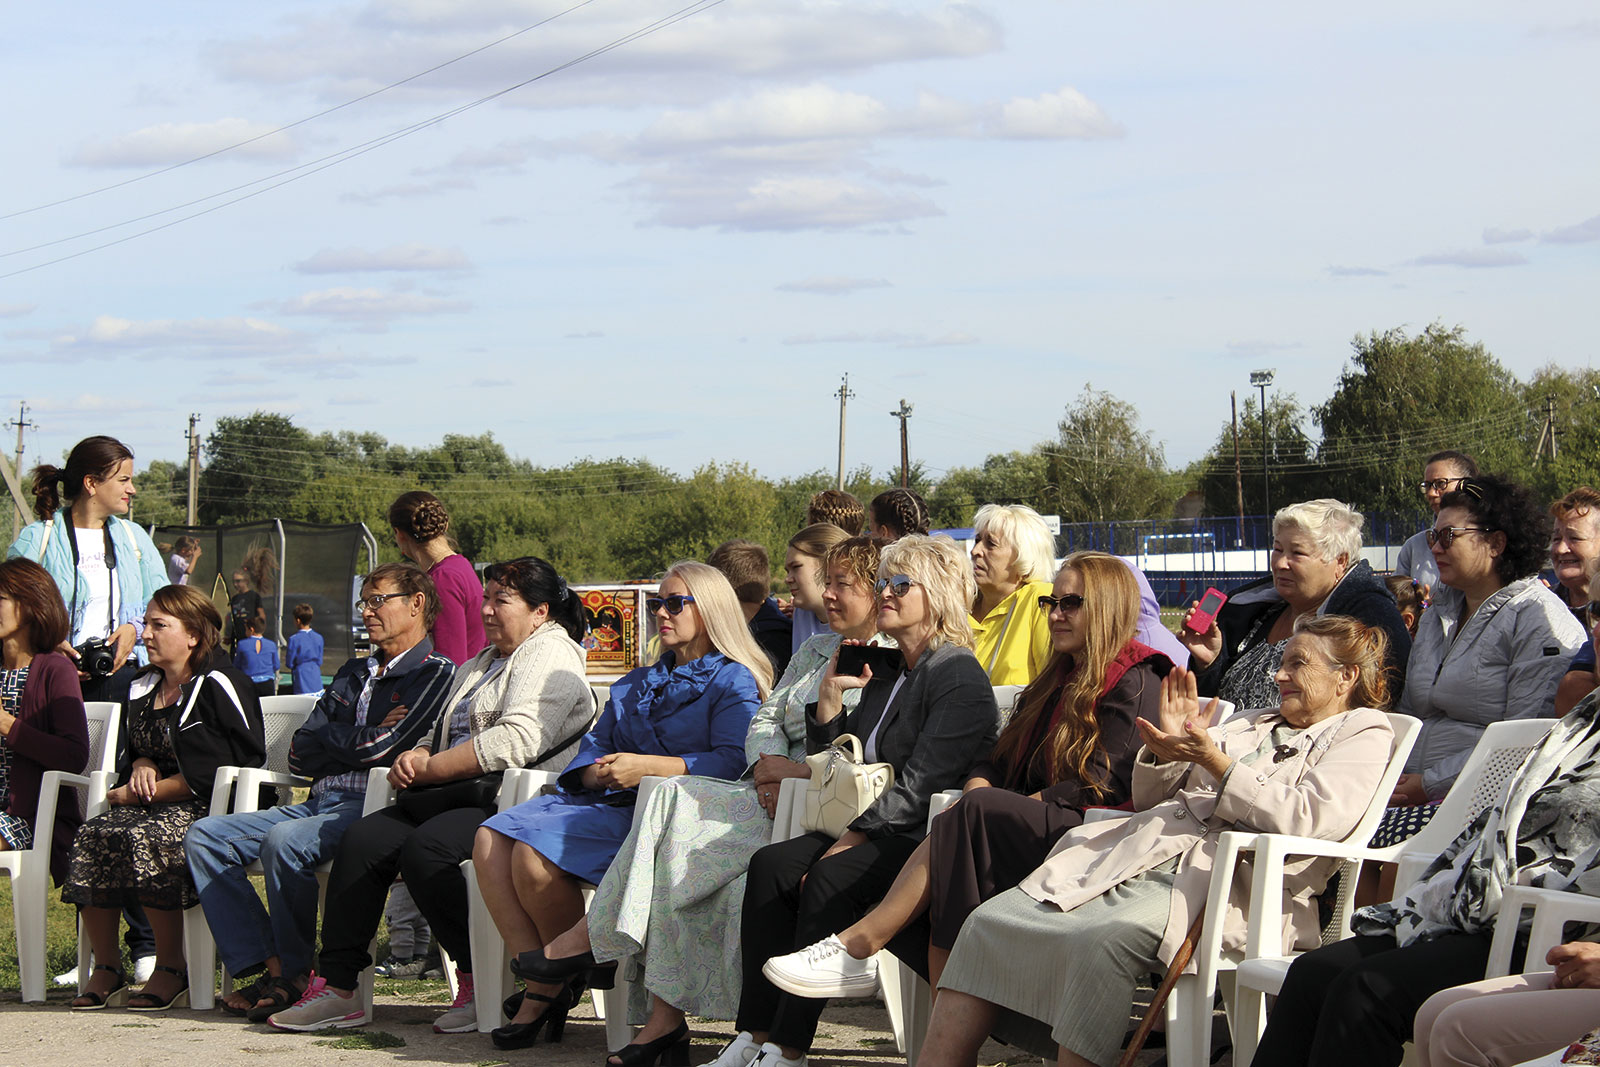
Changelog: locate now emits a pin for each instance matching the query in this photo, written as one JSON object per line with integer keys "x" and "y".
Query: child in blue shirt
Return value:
{"x": 305, "y": 652}
{"x": 258, "y": 658}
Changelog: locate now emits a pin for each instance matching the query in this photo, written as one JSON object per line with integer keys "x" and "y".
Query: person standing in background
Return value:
{"x": 305, "y": 652}
{"x": 1443, "y": 473}
{"x": 420, "y": 524}
{"x": 180, "y": 565}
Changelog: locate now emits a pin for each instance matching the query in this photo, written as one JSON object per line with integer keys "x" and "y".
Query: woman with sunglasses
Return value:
{"x": 1070, "y": 744}
{"x": 676, "y": 888}
{"x": 1492, "y": 645}
{"x": 926, "y": 719}
{"x": 688, "y": 713}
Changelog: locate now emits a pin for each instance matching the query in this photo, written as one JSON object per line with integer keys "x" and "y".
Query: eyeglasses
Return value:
{"x": 674, "y": 603}
{"x": 1070, "y": 602}
{"x": 898, "y": 584}
{"x": 1445, "y": 536}
{"x": 1439, "y": 485}
{"x": 378, "y": 600}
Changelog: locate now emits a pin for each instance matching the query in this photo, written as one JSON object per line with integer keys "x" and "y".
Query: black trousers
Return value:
{"x": 782, "y": 915}
{"x": 1355, "y": 1001}
{"x": 374, "y": 850}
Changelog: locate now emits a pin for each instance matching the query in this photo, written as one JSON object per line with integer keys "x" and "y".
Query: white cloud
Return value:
{"x": 1580, "y": 233}
{"x": 1495, "y": 235}
{"x": 1357, "y": 272}
{"x": 832, "y": 285}
{"x": 406, "y": 190}
{"x": 1065, "y": 113}
{"x": 782, "y": 203}
{"x": 369, "y": 305}
{"x": 1472, "y": 258}
{"x": 585, "y": 335}
{"x": 16, "y": 311}
{"x": 883, "y": 337}
{"x": 412, "y": 257}
{"x": 174, "y": 142}
{"x": 211, "y": 335}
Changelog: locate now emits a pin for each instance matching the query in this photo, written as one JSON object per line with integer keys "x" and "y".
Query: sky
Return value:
{"x": 685, "y": 222}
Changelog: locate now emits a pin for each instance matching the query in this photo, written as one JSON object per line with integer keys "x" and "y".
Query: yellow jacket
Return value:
{"x": 1014, "y": 654}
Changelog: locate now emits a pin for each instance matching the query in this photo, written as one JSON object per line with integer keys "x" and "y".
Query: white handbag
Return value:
{"x": 841, "y": 787}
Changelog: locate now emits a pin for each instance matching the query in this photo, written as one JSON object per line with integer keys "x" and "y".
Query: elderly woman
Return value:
{"x": 927, "y": 720}
{"x": 521, "y": 702}
{"x": 185, "y": 718}
{"x": 1013, "y": 557}
{"x": 688, "y": 713}
{"x": 677, "y": 887}
{"x": 42, "y": 725}
{"x": 1070, "y": 744}
{"x": 1493, "y": 645}
{"x": 1575, "y": 548}
{"x": 1356, "y": 1001}
{"x": 1316, "y": 569}
{"x": 1505, "y": 1021}
{"x": 1056, "y": 960}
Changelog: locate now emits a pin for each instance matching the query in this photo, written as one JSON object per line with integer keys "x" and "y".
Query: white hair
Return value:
{"x": 1023, "y": 529}
{"x": 1333, "y": 526}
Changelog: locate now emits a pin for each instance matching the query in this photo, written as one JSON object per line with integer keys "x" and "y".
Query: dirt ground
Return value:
{"x": 50, "y": 1035}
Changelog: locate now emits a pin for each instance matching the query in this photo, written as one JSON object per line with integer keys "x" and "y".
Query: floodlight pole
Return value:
{"x": 1260, "y": 379}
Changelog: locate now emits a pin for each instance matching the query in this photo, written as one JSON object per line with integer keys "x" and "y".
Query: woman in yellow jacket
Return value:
{"x": 1013, "y": 560}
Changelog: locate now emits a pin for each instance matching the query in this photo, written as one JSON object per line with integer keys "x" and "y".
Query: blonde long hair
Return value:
{"x": 1111, "y": 614}
{"x": 723, "y": 619}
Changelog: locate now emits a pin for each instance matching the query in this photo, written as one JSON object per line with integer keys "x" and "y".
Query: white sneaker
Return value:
{"x": 738, "y": 1052}
{"x": 462, "y": 1018}
{"x": 772, "y": 1056}
{"x": 68, "y": 977}
{"x": 143, "y": 968}
{"x": 320, "y": 1008}
{"x": 824, "y": 969}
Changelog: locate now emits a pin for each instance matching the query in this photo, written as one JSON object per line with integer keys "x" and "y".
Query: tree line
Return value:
{"x": 1400, "y": 397}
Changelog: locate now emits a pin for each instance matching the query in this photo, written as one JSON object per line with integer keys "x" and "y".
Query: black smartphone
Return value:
{"x": 882, "y": 660}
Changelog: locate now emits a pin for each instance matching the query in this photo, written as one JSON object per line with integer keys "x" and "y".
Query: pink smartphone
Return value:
{"x": 1200, "y": 620}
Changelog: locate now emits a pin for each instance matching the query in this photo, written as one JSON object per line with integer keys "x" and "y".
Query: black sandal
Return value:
{"x": 279, "y": 993}
{"x": 113, "y": 999}
{"x": 151, "y": 1002}
{"x": 251, "y": 993}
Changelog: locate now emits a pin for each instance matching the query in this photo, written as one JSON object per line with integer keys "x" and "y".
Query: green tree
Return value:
{"x": 1575, "y": 397}
{"x": 255, "y": 465}
{"x": 1292, "y": 470}
{"x": 163, "y": 497}
{"x": 1102, "y": 465}
{"x": 1402, "y": 397}
{"x": 1004, "y": 478}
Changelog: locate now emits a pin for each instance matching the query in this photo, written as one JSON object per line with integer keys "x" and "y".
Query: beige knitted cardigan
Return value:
{"x": 539, "y": 697}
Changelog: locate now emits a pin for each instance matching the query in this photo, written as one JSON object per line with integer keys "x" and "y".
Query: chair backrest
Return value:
{"x": 1005, "y": 698}
{"x": 1483, "y": 781}
{"x": 282, "y": 716}
{"x": 104, "y": 718}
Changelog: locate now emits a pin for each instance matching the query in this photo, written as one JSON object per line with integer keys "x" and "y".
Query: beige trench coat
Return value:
{"x": 1321, "y": 791}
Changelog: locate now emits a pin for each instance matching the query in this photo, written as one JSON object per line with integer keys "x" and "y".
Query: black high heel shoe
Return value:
{"x": 525, "y": 1035}
{"x": 670, "y": 1050}
{"x": 534, "y": 966}
{"x": 142, "y": 1001}
{"x": 513, "y": 1004}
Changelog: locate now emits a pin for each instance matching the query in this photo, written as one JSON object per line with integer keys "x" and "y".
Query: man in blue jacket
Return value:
{"x": 375, "y": 709}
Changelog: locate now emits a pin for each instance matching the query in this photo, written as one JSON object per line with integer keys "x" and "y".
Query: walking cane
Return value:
{"x": 1180, "y": 960}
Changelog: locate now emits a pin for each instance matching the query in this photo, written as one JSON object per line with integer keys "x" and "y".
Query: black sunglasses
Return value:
{"x": 1070, "y": 602}
{"x": 674, "y": 603}
{"x": 898, "y": 584}
{"x": 1445, "y": 536}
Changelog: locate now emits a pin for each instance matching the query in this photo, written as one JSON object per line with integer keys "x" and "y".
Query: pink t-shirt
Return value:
{"x": 458, "y": 630}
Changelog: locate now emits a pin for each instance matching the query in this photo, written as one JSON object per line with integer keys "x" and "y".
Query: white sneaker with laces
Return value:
{"x": 320, "y": 1008}
{"x": 462, "y": 1018}
{"x": 737, "y": 1053}
{"x": 143, "y": 968}
{"x": 68, "y": 977}
{"x": 772, "y": 1056}
{"x": 824, "y": 969}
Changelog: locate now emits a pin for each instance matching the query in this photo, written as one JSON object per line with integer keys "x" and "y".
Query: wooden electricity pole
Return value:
{"x": 843, "y": 394}
{"x": 903, "y": 412}
{"x": 194, "y": 470}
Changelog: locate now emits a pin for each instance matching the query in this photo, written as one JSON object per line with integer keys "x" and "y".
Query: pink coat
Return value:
{"x": 1321, "y": 790}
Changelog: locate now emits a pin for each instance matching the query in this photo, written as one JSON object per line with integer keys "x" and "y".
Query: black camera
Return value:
{"x": 97, "y": 659}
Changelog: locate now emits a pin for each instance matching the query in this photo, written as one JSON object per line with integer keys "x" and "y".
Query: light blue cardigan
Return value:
{"x": 139, "y": 570}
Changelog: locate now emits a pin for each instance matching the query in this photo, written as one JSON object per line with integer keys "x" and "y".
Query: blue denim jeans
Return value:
{"x": 290, "y": 842}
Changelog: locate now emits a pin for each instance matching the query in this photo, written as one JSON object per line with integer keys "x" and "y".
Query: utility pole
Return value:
{"x": 1238, "y": 471}
{"x": 1260, "y": 379}
{"x": 22, "y": 423}
{"x": 194, "y": 469}
{"x": 843, "y": 394}
{"x": 1547, "y": 432}
{"x": 903, "y": 413}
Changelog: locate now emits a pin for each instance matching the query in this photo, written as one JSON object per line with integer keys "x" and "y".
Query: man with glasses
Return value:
{"x": 1441, "y": 474}
{"x": 376, "y": 708}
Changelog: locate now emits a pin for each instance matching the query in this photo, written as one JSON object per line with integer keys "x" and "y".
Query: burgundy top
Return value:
{"x": 50, "y": 734}
{"x": 458, "y": 629}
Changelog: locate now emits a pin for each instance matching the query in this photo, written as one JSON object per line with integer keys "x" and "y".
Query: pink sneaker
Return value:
{"x": 462, "y": 1018}
{"x": 320, "y": 1008}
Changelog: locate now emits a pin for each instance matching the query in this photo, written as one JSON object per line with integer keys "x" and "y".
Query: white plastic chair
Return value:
{"x": 281, "y": 717}
{"x": 29, "y": 868}
{"x": 1483, "y": 781}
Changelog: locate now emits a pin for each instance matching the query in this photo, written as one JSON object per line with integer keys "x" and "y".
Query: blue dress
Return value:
{"x": 699, "y": 712}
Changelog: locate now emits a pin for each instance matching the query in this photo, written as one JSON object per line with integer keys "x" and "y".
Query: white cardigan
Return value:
{"x": 539, "y": 697}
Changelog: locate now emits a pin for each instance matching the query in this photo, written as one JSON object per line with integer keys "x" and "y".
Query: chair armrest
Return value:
{"x": 1208, "y": 949}
{"x": 939, "y": 802}
{"x": 50, "y": 787}
{"x": 791, "y": 802}
{"x": 247, "y": 786}
{"x": 380, "y": 794}
{"x": 1552, "y": 910}
{"x": 647, "y": 785}
{"x": 1103, "y": 814}
{"x": 521, "y": 784}
{"x": 99, "y": 785}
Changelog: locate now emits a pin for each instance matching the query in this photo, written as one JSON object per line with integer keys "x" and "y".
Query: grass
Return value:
{"x": 366, "y": 1040}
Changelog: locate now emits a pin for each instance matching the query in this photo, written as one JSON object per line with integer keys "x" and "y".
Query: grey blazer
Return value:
{"x": 943, "y": 719}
